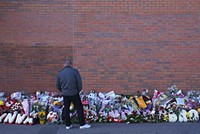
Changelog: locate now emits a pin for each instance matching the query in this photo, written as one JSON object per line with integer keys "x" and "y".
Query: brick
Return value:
{"x": 121, "y": 45}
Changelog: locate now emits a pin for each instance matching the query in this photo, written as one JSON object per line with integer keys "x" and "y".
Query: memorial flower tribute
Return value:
{"x": 108, "y": 107}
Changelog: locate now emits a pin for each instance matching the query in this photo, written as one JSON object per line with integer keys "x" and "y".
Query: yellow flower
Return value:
{"x": 188, "y": 115}
{"x": 166, "y": 117}
{"x": 130, "y": 98}
{"x": 56, "y": 103}
{"x": 1, "y": 103}
{"x": 198, "y": 110}
{"x": 71, "y": 106}
{"x": 42, "y": 115}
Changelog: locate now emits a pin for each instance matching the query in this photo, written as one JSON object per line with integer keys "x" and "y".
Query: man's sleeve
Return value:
{"x": 79, "y": 80}
{"x": 58, "y": 86}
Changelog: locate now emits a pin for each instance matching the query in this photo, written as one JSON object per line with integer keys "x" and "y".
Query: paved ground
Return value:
{"x": 105, "y": 128}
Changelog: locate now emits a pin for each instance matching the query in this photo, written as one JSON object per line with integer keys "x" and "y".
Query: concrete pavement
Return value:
{"x": 105, "y": 128}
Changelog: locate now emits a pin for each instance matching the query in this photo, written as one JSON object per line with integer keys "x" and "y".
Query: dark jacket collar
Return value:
{"x": 68, "y": 66}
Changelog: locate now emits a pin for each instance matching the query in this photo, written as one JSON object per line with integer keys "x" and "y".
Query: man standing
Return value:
{"x": 70, "y": 84}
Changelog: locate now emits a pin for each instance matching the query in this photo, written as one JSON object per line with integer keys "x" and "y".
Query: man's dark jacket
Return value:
{"x": 69, "y": 81}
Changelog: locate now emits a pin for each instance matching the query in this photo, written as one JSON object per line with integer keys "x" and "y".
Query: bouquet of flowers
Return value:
{"x": 42, "y": 117}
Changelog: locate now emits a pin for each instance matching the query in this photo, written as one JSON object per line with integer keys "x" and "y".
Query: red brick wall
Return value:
{"x": 121, "y": 45}
{"x": 35, "y": 37}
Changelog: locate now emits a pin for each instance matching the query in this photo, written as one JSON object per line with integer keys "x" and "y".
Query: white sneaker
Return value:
{"x": 85, "y": 126}
{"x": 68, "y": 127}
